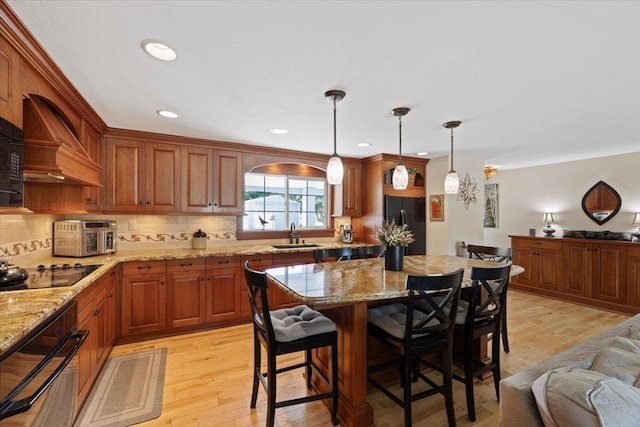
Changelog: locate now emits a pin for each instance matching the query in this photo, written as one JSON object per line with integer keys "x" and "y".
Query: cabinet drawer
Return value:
{"x": 223, "y": 262}
{"x": 258, "y": 261}
{"x": 185, "y": 265}
{"x": 144, "y": 267}
{"x": 537, "y": 244}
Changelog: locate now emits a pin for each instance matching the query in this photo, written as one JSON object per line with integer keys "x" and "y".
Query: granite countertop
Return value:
{"x": 22, "y": 311}
{"x": 364, "y": 280}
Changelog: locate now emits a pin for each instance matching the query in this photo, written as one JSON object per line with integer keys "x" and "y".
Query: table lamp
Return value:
{"x": 636, "y": 220}
{"x": 548, "y": 230}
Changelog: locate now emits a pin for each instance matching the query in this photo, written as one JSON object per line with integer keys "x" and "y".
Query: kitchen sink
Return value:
{"x": 296, "y": 245}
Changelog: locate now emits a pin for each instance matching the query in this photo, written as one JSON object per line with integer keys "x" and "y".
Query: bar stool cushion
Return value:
{"x": 290, "y": 324}
{"x": 392, "y": 318}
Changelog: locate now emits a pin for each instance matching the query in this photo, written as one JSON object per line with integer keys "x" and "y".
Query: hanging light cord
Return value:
{"x": 335, "y": 152}
{"x": 400, "y": 138}
{"x": 451, "y": 151}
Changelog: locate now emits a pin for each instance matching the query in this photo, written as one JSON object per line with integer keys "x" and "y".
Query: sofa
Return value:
{"x": 593, "y": 383}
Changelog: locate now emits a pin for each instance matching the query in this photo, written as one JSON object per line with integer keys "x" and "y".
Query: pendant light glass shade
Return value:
{"x": 335, "y": 169}
{"x": 400, "y": 176}
{"x": 451, "y": 181}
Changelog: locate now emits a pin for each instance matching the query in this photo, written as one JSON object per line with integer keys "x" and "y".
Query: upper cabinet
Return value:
{"x": 211, "y": 180}
{"x": 347, "y": 197}
{"x": 142, "y": 176}
{"x": 91, "y": 141}
{"x": 10, "y": 84}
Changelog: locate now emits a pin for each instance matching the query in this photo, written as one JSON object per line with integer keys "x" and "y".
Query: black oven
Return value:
{"x": 11, "y": 161}
{"x": 38, "y": 375}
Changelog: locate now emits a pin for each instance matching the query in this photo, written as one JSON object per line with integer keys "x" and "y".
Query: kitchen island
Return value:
{"x": 343, "y": 291}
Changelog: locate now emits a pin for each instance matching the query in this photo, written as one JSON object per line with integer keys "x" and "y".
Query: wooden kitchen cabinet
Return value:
{"x": 10, "y": 84}
{"x": 97, "y": 309}
{"x": 144, "y": 296}
{"x": 185, "y": 292}
{"x": 224, "y": 283}
{"x": 347, "y": 197}
{"x": 633, "y": 277}
{"x": 212, "y": 181}
{"x": 142, "y": 176}
{"x": 258, "y": 262}
{"x": 91, "y": 142}
{"x": 541, "y": 260}
{"x": 228, "y": 182}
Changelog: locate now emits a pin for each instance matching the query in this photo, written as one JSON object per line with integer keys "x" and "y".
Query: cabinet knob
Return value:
{"x": 162, "y": 283}
{"x": 110, "y": 295}
{"x": 141, "y": 203}
{"x": 95, "y": 313}
{"x": 215, "y": 204}
{"x": 89, "y": 199}
{"x": 209, "y": 204}
{"x": 148, "y": 202}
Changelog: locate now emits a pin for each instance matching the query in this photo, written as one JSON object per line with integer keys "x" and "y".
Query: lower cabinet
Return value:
{"x": 256, "y": 262}
{"x": 222, "y": 293}
{"x": 97, "y": 309}
{"x": 144, "y": 297}
{"x": 600, "y": 273}
{"x": 278, "y": 297}
{"x": 185, "y": 292}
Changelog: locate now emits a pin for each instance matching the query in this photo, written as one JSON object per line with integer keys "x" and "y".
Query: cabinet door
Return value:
{"x": 10, "y": 84}
{"x": 525, "y": 257}
{"x": 103, "y": 347}
{"x": 549, "y": 268}
{"x": 87, "y": 355}
{"x": 125, "y": 177}
{"x": 609, "y": 278}
{"x": 228, "y": 187}
{"x": 91, "y": 143}
{"x": 347, "y": 197}
{"x": 578, "y": 262}
{"x": 143, "y": 304}
{"x": 633, "y": 277}
{"x": 162, "y": 185}
{"x": 185, "y": 298}
{"x": 111, "y": 309}
{"x": 222, "y": 294}
{"x": 196, "y": 193}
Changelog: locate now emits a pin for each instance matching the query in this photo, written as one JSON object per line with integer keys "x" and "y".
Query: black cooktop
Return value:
{"x": 53, "y": 276}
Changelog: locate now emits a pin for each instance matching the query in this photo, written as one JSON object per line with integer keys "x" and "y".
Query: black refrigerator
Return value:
{"x": 413, "y": 212}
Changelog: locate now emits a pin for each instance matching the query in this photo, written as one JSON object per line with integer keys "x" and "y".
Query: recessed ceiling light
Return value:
{"x": 279, "y": 131}
{"x": 363, "y": 144}
{"x": 167, "y": 114}
{"x": 422, "y": 153}
{"x": 159, "y": 50}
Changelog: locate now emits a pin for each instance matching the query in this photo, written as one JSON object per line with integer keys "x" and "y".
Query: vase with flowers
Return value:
{"x": 395, "y": 237}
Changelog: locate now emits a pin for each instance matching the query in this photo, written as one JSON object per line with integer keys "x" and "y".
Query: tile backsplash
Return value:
{"x": 27, "y": 239}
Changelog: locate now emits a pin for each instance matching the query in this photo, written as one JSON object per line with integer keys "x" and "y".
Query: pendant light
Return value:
{"x": 400, "y": 175}
{"x": 452, "y": 182}
{"x": 335, "y": 169}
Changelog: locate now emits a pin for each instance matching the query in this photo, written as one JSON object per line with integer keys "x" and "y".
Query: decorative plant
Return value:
{"x": 412, "y": 171}
{"x": 392, "y": 234}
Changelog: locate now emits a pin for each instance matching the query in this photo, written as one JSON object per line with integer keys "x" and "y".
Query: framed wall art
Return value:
{"x": 436, "y": 207}
{"x": 491, "y": 205}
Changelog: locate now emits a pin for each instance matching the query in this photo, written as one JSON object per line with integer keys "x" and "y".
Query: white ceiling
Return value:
{"x": 533, "y": 82}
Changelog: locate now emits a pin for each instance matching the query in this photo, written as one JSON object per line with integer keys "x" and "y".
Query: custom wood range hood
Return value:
{"x": 52, "y": 153}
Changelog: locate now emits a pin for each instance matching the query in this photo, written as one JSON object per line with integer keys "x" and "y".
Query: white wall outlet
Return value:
{"x": 47, "y": 227}
{"x": 133, "y": 224}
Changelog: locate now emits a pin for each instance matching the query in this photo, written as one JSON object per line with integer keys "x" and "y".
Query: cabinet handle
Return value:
{"x": 142, "y": 267}
{"x": 223, "y": 262}
{"x": 256, "y": 259}
{"x": 536, "y": 243}
{"x": 186, "y": 265}
{"x": 112, "y": 273}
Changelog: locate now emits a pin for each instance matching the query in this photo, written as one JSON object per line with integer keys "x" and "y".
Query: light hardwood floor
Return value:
{"x": 208, "y": 376}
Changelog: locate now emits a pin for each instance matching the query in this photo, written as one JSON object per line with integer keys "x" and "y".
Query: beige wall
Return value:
{"x": 525, "y": 194}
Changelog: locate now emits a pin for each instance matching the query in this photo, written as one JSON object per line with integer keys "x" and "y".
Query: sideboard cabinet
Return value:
{"x": 599, "y": 273}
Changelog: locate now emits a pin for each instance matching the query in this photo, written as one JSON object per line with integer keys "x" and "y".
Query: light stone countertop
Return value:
{"x": 361, "y": 280}
{"x": 23, "y": 311}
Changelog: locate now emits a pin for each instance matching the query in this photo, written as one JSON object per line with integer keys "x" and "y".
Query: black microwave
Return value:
{"x": 11, "y": 161}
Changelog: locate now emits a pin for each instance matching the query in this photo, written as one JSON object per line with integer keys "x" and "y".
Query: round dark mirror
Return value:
{"x": 601, "y": 202}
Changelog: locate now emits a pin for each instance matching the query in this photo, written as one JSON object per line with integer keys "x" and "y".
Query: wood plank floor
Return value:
{"x": 208, "y": 377}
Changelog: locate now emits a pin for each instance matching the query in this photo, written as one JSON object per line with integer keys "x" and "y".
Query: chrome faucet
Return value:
{"x": 293, "y": 234}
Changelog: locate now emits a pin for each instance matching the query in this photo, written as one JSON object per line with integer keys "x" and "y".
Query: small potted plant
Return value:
{"x": 395, "y": 237}
{"x": 412, "y": 176}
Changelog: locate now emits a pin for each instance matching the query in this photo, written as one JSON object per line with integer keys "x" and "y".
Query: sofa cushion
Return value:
{"x": 618, "y": 363}
{"x": 569, "y": 397}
